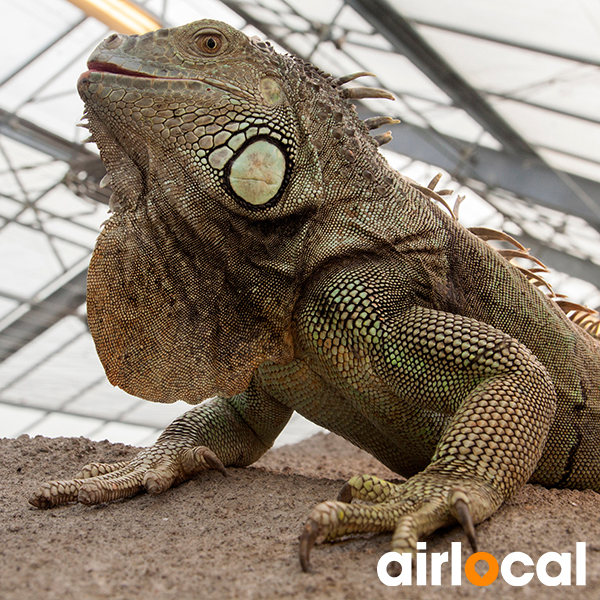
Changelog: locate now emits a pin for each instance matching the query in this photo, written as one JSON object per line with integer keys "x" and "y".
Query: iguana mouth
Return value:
{"x": 104, "y": 67}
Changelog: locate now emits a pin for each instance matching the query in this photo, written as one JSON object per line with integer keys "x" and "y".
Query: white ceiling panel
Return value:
{"x": 551, "y": 130}
{"x": 555, "y": 25}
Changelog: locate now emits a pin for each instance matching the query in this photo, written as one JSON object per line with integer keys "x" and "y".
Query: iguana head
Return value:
{"x": 221, "y": 154}
{"x": 206, "y": 97}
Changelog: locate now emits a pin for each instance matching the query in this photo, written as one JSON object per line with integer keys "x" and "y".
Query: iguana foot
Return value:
{"x": 426, "y": 502}
{"x": 155, "y": 469}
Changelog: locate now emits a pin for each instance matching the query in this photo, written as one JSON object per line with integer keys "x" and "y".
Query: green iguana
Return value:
{"x": 263, "y": 258}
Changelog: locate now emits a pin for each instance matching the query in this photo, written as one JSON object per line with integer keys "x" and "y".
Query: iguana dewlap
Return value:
{"x": 262, "y": 251}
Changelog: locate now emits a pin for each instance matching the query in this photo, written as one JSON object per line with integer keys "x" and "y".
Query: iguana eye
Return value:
{"x": 209, "y": 43}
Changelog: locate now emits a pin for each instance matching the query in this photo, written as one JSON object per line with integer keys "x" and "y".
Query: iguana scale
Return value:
{"x": 263, "y": 258}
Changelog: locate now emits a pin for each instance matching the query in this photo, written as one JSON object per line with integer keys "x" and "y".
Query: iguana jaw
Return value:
{"x": 126, "y": 172}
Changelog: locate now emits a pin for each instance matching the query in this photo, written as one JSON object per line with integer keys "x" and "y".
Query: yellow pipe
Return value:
{"x": 120, "y": 15}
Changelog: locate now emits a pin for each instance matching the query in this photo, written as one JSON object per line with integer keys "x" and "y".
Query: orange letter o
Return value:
{"x": 473, "y": 576}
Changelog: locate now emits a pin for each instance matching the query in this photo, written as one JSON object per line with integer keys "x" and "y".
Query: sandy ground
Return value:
{"x": 236, "y": 537}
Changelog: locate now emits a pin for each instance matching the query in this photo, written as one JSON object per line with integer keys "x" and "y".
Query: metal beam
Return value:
{"x": 25, "y": 324}
{"x": 86, "y": 170}
{"x": 47, "y": 47}
{"x": 407, "y": 41}
{"x": 122, "y": 16}
{"x": 40, "y": 139}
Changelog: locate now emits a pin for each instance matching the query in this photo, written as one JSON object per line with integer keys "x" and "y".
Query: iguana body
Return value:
{"x": 263, "y": 251}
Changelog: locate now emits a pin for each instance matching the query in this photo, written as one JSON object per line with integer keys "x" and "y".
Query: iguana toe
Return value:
{"x": 169, "y": 472}
{"x": 54, "y": 493}
{"x": 95, "y": 469}
{"x": 368, "y": 488}
{"x": 331, "y": 520}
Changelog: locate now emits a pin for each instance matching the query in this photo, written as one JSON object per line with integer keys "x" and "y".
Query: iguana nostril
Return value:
{"x": 113, "y": 41}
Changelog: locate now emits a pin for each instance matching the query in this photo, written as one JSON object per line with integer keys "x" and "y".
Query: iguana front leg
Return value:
{"x": 503, "y": 402}
{"x": 217, "y": 433}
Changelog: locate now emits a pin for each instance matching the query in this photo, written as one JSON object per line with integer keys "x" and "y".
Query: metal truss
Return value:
{"x": 531, "y": 178}
{"x": 406, "y": 40}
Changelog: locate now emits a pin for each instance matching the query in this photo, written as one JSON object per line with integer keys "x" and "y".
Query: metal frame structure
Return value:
{"x": 513, "y": 171}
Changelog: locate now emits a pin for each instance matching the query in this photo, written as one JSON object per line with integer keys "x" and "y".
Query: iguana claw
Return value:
{"x": 458, "y": 501}
{"x": 308, "y": 537}
{"x": 345, "y": 493}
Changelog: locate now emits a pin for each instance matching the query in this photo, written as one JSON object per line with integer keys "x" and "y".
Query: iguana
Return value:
{"x": 263, "y": 258}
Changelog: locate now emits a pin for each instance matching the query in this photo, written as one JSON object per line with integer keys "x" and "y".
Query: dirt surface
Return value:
{"x": 236, "y": 537}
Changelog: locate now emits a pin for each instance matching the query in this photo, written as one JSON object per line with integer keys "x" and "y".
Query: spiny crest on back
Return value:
{"x": 587, "y": 318}
{"x": 358, "y": 93}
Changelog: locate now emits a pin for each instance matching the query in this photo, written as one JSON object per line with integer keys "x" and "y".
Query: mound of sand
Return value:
{"x": 236, "y": 537}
